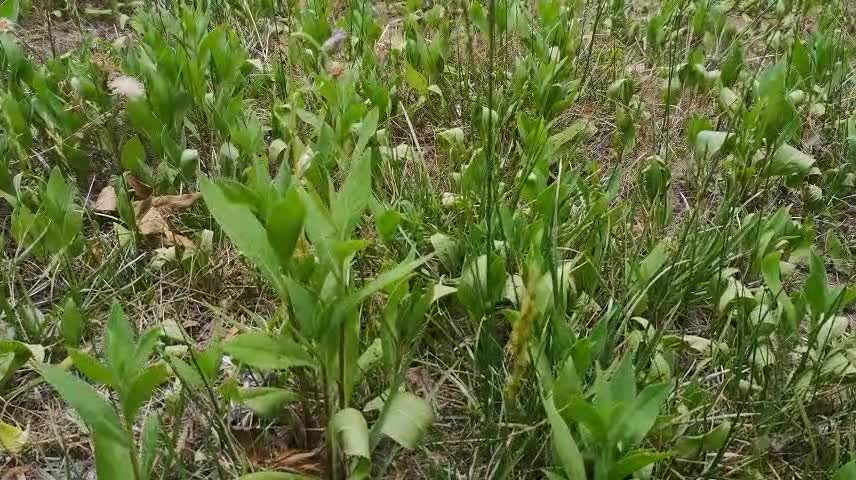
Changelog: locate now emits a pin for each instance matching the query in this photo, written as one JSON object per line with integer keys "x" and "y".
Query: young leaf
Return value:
{"x": 350, "y": 424}
{"x": 407, "y": 419}
{"x": 263, "y": 351}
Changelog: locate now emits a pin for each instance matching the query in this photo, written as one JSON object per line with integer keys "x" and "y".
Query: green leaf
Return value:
{"x": 89, "y": 366}
{"x": 633, "y": 462}
{"x": 415, "y": 79}
{"x": 266, "y": 401}
{"x": 385, "y": 279}
{"x": 72, "y": 323}
{"x": 112, "y": 459}
{"x": 149, "y": 444}
{"x": 10, "y": 9}
{"x": 304, "y": 303}
{"x": 691, "y": 446}
{"x": 119, "y": 343}
{"x": 641, "y": 415}
{"x": 263, "y": 351}
{"x": 133, "y": 157}
{"x": 580, "y": 129}
{"x": 480, "y": 285}
{"x": 12, "y": 438}
{"x": 284, "y": 221}
{"x": 275, "y": 476}
{"x": 353, "y": 198}
{"x": 143, "y": 387}
{"x": 709, "y": 144}
{"x": 448, "y": 251}
{"x": 242, "y": 227}
{"x": 407, "y": 419}
{"x": 789, "y": 161}
{"x": 847, "y": 472}
{"x": 350, "y": 424}
{"x": 13, "y": 355}
{"x": 564, "y": 446}
{"x": 89, "y": 404}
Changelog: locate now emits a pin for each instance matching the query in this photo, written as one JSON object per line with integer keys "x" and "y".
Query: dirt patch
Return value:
{"x": 45, "y": 35}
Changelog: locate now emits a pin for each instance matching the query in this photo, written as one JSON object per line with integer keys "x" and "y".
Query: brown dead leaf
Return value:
{"x": 175, "y": 201}
{"x": 141, "y": 190}
{"x": 106, "y": 200}
{"x": 153, "y": 223}
{"x": 176, "y": 239}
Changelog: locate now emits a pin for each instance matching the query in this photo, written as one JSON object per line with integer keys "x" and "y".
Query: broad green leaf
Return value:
{"x": 12, "y": 438}
{"x": 580, "y": 129}
{"x": 284, "y": 221}
{"x": 633, "y": 462}
{"x": 564, "y": 446}
{"x": 266, "y": 401}
{"x": 567, "y": 385}
{"x": 367, "y": 129}
{"x": 407, "y": 419}
{"x": 582, "y": 412}
{"x": 351, "y": 426}
{"x": 149, "y": 445}
{"x": 10, "y": 9}
{"x": 710, "y": 143}
{"x": 91, "y": 367}
{"x": 480, "y": 285}
{"x": 264, "y": 351}
{"x": 143, "y": 387}
{"x": 112, "y": 459}
{"x": 640, "y": 416}
{"x": 415, "y": 79}
{"x": 119, "y": 343}
{"x": 620, "y": 388}
{"x": 133, "y": 157}
{"x": 89, "y": 404}
{"x": 691, "y": 446}
{"x": 789, "y": 161}
{"x": 242, "y": 227}
{"x": 304, "y": 303}
{"x": 847, "y": 472}
{"x": 353, "y": 198}
{"x": 448, "y": 251}
{"x": 72, "y": 323}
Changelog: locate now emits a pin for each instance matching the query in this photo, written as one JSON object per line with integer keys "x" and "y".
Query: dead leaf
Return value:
{"x": 140, "y": 188}
{"x": 106, "y": 200}
{"x": 176, "y": 239}
{"x": 153, "y": 223}
{"x": 175, "y": 201}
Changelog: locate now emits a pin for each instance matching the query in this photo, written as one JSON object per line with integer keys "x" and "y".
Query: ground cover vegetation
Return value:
{"x": 299, "y": 239}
